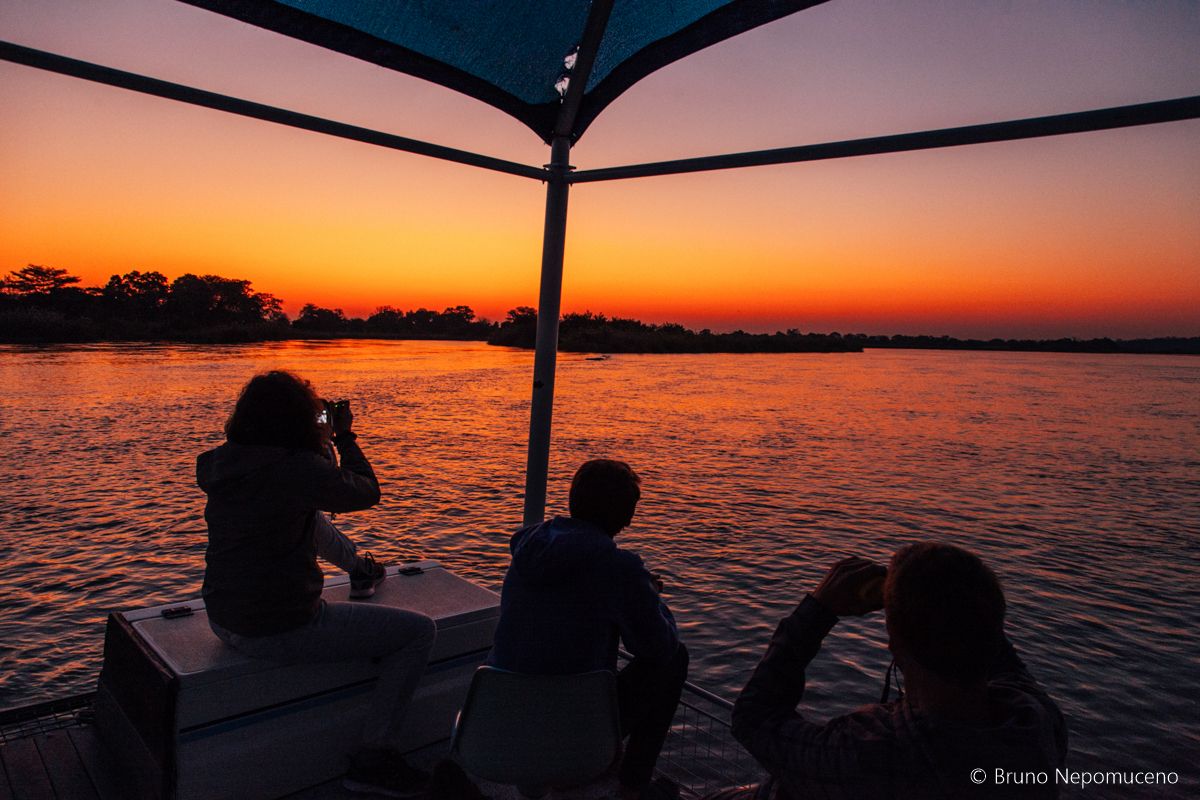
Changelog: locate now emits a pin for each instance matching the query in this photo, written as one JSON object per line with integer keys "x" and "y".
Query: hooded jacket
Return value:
{"x": 261, "y": 574}
{"x": 570, "y": 593}
{"x": 895, "y": 751}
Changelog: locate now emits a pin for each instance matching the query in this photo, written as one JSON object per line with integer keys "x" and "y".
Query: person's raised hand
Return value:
{"x": 852, "y": 587}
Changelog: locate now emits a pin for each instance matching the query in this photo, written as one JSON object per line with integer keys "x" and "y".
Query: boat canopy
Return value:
{"x": 516, "y": 55}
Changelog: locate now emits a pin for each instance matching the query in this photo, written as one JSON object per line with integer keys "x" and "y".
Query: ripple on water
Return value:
{"x": 1075, "y": 476}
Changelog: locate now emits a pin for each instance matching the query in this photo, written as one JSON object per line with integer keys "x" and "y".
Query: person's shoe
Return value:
{"x": 386, "y": 773}
{"x": 365, "y": 577}
{"x": 450, "y": 782}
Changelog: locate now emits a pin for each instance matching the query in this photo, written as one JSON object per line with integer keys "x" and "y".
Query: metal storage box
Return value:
{"x": 187, "y": 717}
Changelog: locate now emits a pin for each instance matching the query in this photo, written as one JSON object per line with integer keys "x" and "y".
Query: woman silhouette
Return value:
{"x": 268, "y": 487}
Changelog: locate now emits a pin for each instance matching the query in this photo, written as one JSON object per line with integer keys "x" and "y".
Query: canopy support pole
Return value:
{"x": 554, "y": 239}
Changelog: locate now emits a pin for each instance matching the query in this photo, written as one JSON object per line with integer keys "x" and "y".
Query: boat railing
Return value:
{"x": 700, "y": 753}
{"x": 45, "y": 717}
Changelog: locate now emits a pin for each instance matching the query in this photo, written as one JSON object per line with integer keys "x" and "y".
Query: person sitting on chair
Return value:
{"x": 570, "y": 593}
{"x": 971, "y": 707}
{"x": 267, "y": 487}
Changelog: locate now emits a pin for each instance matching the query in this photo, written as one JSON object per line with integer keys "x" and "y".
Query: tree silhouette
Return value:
{"x": 387, "y": 319}
{"x": 519, "y": 328}
{"x": 139, "y": 295}
{"x": 36, "y": 279}
{"x": 314, "y": 318}
{"x": 197, "y": 300}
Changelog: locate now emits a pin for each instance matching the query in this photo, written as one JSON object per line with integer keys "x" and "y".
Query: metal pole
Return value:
{"x": 545, "y": 356}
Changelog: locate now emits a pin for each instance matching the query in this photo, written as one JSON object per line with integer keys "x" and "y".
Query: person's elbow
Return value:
{"x": 748, "y": 716}
{"x": 740, "y": 721}
{"x": 659, "y": 647}
{"x": 368, "y": 496}
{"x": 357, "y": 495}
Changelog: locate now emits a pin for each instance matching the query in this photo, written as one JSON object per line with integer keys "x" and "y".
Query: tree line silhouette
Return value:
{"x": 40, "y": 304}
{"x": 595, "y": 333}
{"x": 44, "y": 304}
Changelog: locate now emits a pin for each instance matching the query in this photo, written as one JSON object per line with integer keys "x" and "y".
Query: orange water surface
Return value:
{"x": 1076, "y": 476}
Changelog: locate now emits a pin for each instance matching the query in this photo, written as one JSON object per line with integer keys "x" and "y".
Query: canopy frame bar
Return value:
{"x": 52, "y": 62}
{"x": 1182, "y": 108}
{"x": 1175, "y": 110}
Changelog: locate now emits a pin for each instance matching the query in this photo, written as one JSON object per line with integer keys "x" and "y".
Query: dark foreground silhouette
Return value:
{"x": 969, "y": 718}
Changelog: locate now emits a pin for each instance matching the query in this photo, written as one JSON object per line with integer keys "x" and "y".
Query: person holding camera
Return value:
{"x": 268, "y": 487}
{"x": 970, "y": 709}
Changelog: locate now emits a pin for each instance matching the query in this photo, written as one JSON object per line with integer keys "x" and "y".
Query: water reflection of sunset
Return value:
{"x": 1072, "y": 474}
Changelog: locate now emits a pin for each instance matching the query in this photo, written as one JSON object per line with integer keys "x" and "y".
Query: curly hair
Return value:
{"x": 278, "y": 409}
{"x": 946, "y": 608}
{"x": 605, "y": 492}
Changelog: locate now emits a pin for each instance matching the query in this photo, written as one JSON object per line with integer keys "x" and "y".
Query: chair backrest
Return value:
{"x": 538, "y": 731}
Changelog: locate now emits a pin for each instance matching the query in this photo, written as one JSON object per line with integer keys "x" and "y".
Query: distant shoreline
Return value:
{"x": 1189, "y": 346}
{"x": 43, "y": 305}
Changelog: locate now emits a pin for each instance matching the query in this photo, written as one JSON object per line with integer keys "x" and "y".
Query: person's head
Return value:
{"x": 605, "y": 492}
{"x": 278, "y": 409}
{"x": 945, "y": 612}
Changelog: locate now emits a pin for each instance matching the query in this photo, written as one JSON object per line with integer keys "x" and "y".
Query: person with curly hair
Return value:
{"x": 269, "y": 486}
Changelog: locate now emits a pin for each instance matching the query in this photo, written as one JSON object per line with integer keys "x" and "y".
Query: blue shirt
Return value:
{"x": 570, "y": 595}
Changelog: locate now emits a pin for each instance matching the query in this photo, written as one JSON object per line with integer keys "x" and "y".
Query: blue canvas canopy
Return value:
{"x": 516, "y": 55}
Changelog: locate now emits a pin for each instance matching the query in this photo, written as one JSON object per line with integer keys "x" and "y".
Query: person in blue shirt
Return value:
{"x": 571, "y": 596}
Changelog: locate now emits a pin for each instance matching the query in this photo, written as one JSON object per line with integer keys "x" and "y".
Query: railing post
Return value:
{"x": 545, "y": 357}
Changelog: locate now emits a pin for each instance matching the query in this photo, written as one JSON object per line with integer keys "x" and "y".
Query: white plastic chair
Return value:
{"x": 538, "y": 731}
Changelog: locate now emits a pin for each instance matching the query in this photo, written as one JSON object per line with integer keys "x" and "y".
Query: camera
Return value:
{"x": 871, "y": 590}
{"x": 331, "y": 407}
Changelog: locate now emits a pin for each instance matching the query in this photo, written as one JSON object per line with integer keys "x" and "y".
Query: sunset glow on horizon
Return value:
{"x": 1088, "y": 235}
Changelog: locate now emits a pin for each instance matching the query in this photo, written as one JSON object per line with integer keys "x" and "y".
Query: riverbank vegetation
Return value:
{"x": 40, "y": 304}
{"x": 596, "y": 333}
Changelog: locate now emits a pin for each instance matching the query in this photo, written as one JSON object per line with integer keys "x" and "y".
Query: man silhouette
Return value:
{"x": 971, "y": 707}
{"x": 571, "y": 594}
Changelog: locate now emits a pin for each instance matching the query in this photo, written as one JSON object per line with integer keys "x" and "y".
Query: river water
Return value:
{"x": 1077, "y": 477}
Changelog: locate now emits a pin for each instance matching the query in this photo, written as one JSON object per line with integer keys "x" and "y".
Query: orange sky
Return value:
{"x": 1096, "y": 234}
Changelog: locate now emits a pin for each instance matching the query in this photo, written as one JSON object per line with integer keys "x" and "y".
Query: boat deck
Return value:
{"x": 70, "y": 764}
{"x": 51, "y": 752}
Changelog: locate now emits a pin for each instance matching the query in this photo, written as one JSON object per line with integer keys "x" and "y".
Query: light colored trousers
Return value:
{"x": 401, "y": 641}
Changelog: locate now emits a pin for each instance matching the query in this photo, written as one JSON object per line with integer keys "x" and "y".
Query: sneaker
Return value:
{"x": 386, "y": 773}
{"x": 365, "y": 577}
